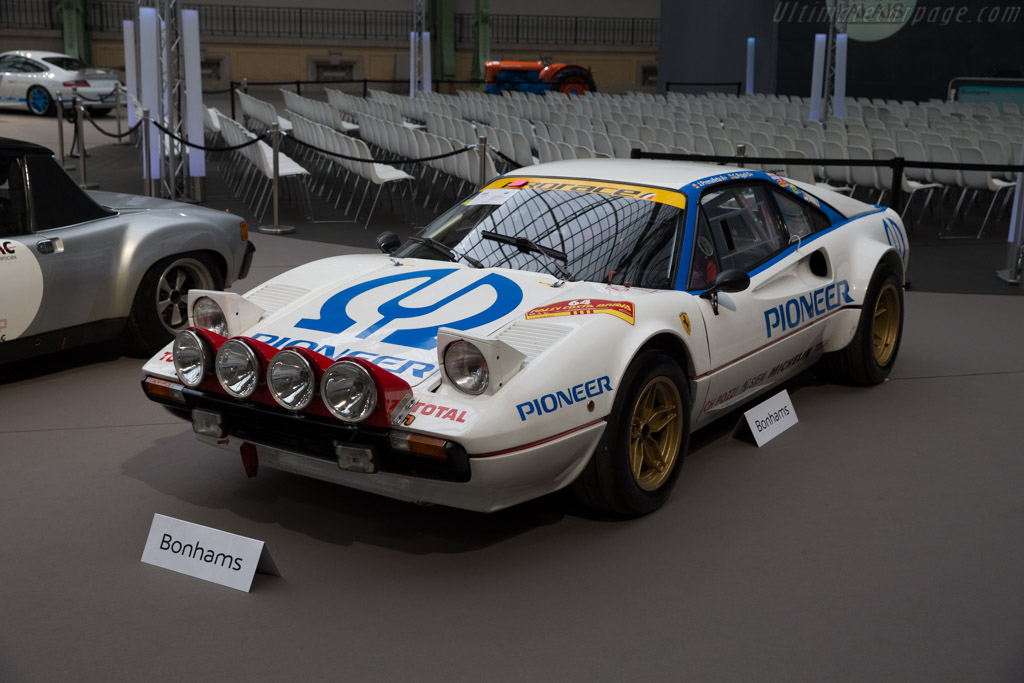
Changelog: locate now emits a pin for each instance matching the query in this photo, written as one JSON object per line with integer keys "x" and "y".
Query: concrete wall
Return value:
{"x": 708, "y": 41}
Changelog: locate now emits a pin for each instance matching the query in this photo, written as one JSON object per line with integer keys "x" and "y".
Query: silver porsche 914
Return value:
{"x": 79, "y": 267}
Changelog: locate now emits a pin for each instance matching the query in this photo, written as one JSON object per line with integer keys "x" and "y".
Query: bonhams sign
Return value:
{"x": 206, "y": 553}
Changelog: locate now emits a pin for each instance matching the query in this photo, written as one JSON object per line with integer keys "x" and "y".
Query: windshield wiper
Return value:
{"x": 445, "y": 251}
{"x": 528, "y": 246}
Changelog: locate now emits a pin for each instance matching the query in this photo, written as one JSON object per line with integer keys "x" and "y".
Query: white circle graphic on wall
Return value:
{"x": 870, "y": 20}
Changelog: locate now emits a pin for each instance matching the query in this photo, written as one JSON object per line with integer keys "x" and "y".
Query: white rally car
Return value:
{"x": 571, "y": 323}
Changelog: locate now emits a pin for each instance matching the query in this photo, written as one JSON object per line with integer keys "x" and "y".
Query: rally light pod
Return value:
{"x": 503, "y": 361}
{"x": 239, "y": 312}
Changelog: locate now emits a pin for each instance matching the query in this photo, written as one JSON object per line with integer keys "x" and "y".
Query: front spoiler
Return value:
{"x": 496, "y": 482}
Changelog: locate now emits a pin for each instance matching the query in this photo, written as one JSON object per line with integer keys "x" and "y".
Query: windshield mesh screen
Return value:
{"x": 605, "y": 238}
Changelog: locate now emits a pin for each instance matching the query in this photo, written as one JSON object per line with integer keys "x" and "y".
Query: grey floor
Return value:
{"x": 878, "y": 540}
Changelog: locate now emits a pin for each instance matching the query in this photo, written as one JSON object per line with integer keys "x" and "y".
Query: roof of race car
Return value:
{"x": 672, "y": 175}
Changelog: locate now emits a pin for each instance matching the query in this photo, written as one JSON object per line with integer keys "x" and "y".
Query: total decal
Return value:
{"x": 21, "y": 284}
{"x": 623, "y": 310}
{"x": 798, "y": 310}
{"x": 484, "y": 300}
{"x": 435, "y": 411}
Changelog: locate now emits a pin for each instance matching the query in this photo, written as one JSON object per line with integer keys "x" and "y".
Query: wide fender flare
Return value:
{"x": 143, "y": 247}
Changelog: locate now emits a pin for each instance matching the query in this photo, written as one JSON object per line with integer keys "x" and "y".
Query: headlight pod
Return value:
{"x": 466, "y": 367}
{"x": 291, "y": 380}
{"x": 348, "y": 391}
{"x": 192, "y": 358}
{"x": 207, "y": 313}
{"x": 238, "y": 368}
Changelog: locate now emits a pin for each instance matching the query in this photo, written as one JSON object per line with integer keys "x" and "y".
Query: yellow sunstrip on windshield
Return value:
{"x": 676, "y": 199}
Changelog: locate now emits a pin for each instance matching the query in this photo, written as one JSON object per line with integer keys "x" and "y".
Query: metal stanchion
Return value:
{"x": 80, "y": 134}
{"x": 276, "y": 228}
{"x": 117, "y": 108}
{"x": 741, "y": 151}
{"x": 60, "y": 132}
{"x": 481, "y": 146}
{"x": 1015, "y": 242}
{"x": 147, "y": 172}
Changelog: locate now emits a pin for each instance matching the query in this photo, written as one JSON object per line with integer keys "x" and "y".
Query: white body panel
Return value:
{"x": 546, "y": 416}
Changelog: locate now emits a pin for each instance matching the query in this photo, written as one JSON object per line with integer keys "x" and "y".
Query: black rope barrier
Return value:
{"x": 509, "y": 159}
{"x": 205, "y": 148}
{"x": 897, "y": 164}
{"x": 88, "y": 117}
{"x": 376, "y": 161}
{"x": 102, "y": 98}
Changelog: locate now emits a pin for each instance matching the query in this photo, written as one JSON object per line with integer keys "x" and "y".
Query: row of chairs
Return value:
{"x": 346, "y": 175}
{"x": 250, "y": 173}
{"x": 261, "y": 114}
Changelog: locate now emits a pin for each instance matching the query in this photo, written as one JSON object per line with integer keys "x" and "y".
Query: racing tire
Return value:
{"x": 870, "y": 356}
{"x": 39, "y": 101}
{"x": 160, "y": 308}
{"x": 573, "y": 80}
{"x": 637, "y": 461}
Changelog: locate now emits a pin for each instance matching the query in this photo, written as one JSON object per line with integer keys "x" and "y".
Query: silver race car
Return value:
{"x": 33, "y": 79}
{"x": 78, "y": 267}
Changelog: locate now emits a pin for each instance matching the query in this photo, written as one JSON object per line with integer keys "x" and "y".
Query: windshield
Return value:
{"x": 619, "y": 234}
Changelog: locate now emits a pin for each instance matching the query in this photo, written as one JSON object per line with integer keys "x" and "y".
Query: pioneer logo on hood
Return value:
{"x": 418, "y": 326}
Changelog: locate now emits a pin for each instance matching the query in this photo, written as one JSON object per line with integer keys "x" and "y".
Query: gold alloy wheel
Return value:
{"x": 655, "y": 433}
{"x": 886, "y": 327}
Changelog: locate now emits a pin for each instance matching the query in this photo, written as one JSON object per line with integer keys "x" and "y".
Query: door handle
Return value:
{"x": 45, "y": 247}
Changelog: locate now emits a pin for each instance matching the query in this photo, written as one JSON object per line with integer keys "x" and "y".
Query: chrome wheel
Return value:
{"x": 885, "y": 329}
{"x": 172, "y": 291}
{"x": 656, "y": 433}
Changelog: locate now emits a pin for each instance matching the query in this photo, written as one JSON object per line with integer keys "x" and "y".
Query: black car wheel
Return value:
{"x": 637, "y": 461}
{"x": 160, "y": 309}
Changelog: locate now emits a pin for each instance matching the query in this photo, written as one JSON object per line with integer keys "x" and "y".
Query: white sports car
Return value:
{"x": 570, "y": 324}
{"x": 32, "y": 78}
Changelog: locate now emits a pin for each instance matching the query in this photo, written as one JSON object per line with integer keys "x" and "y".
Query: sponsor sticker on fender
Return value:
{"x": 651, "y": 194}
{"x": 624, "y": 310}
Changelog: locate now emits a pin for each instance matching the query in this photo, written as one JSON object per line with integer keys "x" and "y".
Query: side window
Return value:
{"x": 28, "y": 66}
{"x": 800, "y": 218}
{"x": 744, "y": 226}
{"x": 13, "y": 217}
{"x": 7, "y": 63}
{"x": 704, "y": 265}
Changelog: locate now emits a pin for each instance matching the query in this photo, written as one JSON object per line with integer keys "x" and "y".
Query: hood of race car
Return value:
{"x": 389, "y": 311}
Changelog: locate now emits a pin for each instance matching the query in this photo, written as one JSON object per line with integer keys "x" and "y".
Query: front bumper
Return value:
{"x": 305, "y": 445}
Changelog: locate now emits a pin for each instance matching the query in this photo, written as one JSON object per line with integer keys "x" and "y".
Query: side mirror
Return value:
{"x": 388, "y": 242}
{"x": 731, "y": 280}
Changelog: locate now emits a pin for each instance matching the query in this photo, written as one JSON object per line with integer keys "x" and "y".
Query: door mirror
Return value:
{"x": 388, "y": 242}
{"x": 731, "y": 280}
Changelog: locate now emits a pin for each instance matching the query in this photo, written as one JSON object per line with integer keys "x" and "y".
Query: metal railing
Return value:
{"x": 347, "y": 24}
